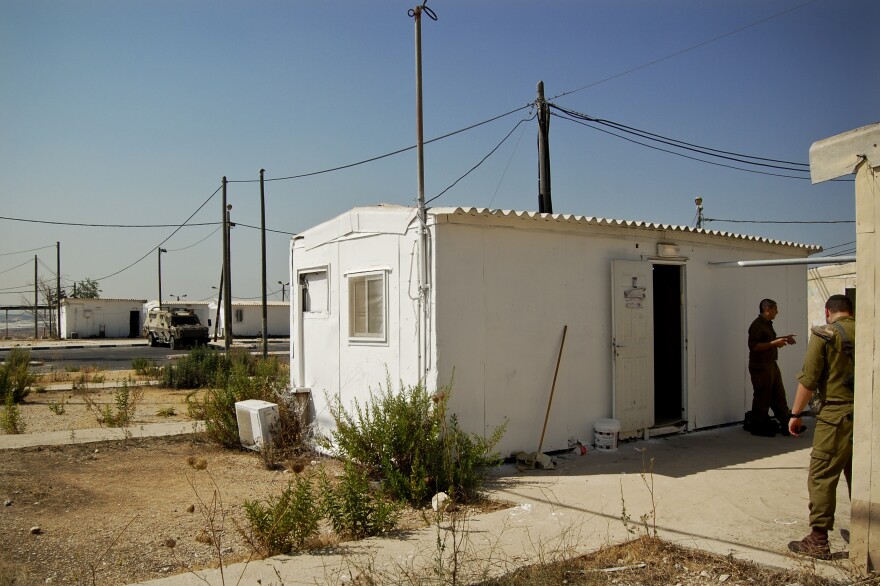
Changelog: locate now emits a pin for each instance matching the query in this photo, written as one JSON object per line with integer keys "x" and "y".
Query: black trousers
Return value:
{"x": 769, "y": 392}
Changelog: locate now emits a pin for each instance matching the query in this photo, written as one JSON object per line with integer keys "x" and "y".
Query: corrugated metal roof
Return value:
{"x": 593, "y": 221}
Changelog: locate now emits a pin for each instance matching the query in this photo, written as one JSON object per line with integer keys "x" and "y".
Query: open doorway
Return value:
{"x": 669, "y": 345}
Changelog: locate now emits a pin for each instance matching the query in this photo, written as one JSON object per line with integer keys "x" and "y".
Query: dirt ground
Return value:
{"x": 124, "y": 511}
{"x": 130, "y": 510}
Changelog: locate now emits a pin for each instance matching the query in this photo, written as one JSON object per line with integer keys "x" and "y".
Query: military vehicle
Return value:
{"x": 176, "y": 327}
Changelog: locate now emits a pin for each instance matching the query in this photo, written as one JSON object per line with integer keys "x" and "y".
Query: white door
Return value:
{"x": 632, "y": 335}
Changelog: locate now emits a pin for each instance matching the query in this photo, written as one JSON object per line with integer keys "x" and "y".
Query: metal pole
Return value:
{"x": 263, "y": 234}
{"x": 36, "y": 300}
{"x": 416, "y": 13}
{"x": 58, "y": 285}
{"x": 227, "y": 288}
{"x": 219, "y": 305}
{"x": 159, "y": 252}
{"x": 545, "y": 203}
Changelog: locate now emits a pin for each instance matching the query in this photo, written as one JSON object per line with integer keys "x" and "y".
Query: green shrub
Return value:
{"x": 217, "y": 405}
{"x": 125, "y": 399}
{"x": 195, "y": 370}
{"x": 280, "y": 525}
{"x": 56, "y": 408}
{"x": 15, "y": 375}
{"x": 405, "y": 440}
{"x": 354, "y": 510}
{"x": 10, "y": 418}
{"x": 144, "y": 367}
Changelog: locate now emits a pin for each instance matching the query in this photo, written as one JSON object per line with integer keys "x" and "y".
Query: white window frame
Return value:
{"x": 313, "y": 312}
{"x": 368, "y": 337}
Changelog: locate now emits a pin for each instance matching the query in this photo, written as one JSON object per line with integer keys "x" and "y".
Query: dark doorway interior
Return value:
{"x": 668, "y": 344}
{"x": 134, "y": 324}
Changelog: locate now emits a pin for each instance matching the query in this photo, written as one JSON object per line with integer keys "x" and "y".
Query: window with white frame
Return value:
{"x": 315, "y": 291}
{"x": 366, "y": 306}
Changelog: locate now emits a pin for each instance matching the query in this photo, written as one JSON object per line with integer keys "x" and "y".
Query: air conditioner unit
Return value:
{"x": 256, "y": 420}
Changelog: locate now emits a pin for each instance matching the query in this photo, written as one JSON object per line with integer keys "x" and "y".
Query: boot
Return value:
{"x": 764, "y": 428}
{"x": 814, "y": 545}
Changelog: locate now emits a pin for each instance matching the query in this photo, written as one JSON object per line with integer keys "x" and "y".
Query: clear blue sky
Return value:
{"x": 131, "y": 112}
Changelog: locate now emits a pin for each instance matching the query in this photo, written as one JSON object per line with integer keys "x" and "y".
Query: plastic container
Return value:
{"x": 605, "y": 434}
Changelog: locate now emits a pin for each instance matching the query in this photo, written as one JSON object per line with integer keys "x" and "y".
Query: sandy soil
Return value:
{"x": 129, "y": 510}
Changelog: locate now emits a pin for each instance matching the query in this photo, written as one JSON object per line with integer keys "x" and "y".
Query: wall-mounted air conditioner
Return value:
{"x": 256, "y": 420}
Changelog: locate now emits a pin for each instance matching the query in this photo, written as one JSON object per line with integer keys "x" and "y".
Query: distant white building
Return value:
{"x": 825, "y": 281}
{"x": 101, "y": 318}
{"x": 656, "y": 327}
{"x": 247, "y": 319}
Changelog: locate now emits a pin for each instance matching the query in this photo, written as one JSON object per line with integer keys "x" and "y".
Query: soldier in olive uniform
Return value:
{"x": 769, "y": 391}
{"x": 829, "y": 368}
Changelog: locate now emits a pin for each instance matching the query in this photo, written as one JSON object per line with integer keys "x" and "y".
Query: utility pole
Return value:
{"x": 545, "y": 203}
{"x": 219, "y": 304}
{"x": 424, "y": 287}
{"x": 159, "y": 251}
{"x": 58, "y": 284}
{"x": 227, "y": 275}
{"x": 36, "y": 300}
{"x": 263, "y": 234}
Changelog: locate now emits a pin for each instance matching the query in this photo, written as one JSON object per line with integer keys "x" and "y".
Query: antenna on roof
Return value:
{"x": 699, "y": 201}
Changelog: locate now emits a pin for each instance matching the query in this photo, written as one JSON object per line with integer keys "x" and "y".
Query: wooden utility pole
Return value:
{"x": 58, "y": 286}
{"x": 545, "y": 203}
{"x": 227, "y": 276}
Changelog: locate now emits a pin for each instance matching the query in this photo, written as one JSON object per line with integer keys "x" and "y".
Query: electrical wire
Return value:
{"x": 105, "y": 225}
{"x": 839, "y": 246}
{"x": 267, "y": 229}
{"x": 16, "y": 266}
{"x": 681, "y": 144}
{"x": 509, "y": 160}
{"x": 581, "y": 122}
{"x": 738, "y": 157}
{"x": 683, "y": 51}
{"x": 166, "y": 239}
{"x": 31, "y": 250}
{"x": 483, "y": 159}
{"x": 260, "y": 296}
{"x": 197, "y": 243}
{"x": 386, "y": 155}
{"x": 780, "y": 221}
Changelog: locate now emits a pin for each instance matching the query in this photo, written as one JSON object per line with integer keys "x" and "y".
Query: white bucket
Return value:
{"x": 605, "y": 434}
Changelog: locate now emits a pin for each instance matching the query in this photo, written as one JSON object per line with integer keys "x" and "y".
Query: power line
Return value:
{"x": 780, "y": 221}
{"x": 683, "y": 51}
{"x": 30, "y": 250}
{"x": 839, "y": 245}
{"x": 682, "y": 144}
{"x": 197, "y": 243}
{"x": 581, "y": 122}
{"x": 386, "y": 155}
{"x": 104, "y": 225}
{"x": 16, "y": 267}
{"x": 166, "y": 239}
{"x": 483, "y": 159}
{"x": 509, "y": 160}
{"x": 267, "y": 229}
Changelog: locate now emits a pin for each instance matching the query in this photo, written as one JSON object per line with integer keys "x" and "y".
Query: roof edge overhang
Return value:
{"x": 560, "y": 221}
